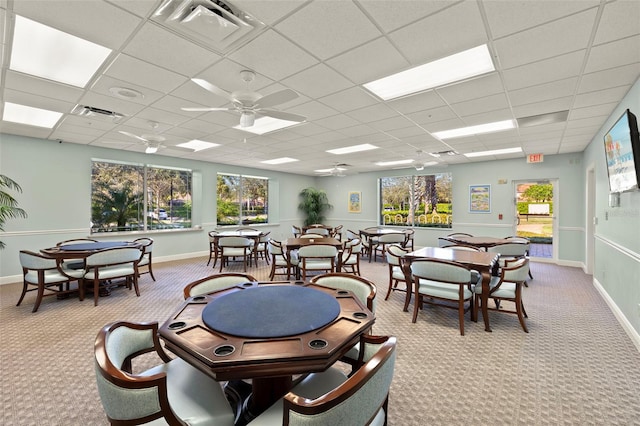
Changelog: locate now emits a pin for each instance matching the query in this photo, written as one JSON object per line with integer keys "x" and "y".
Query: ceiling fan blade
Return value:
{"x": 201, "y": 109}
{"x": 276, "y": 98}
{"x": 282, "y": 115}
{"x": 213, "y": 89}
{"x": 131, "y": 135}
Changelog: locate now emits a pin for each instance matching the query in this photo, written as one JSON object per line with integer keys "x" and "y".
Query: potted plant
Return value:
{"x": 314, "y": 204}
{"x": 8, "y": 205}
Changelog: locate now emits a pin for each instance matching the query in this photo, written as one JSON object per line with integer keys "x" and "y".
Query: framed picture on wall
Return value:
{"x": 479, "y": 198}
{"x": 355, "y": 202}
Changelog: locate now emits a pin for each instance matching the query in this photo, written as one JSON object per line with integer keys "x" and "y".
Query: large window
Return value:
{"x": 423, "y": 201}
{"x": 242, "y": 200}
{"x": 134, "y": 197}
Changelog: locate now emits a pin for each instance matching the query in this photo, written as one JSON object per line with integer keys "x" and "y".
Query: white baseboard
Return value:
{"x": 622, "y": 319}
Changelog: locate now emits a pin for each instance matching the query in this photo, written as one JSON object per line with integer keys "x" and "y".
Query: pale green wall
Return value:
{"x": 568, "y": 169}
{"x": 56, "y": 183}
{"x": 617, "y": 233}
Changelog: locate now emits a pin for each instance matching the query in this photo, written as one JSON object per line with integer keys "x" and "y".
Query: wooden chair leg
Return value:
{"x": 24, "y": 291}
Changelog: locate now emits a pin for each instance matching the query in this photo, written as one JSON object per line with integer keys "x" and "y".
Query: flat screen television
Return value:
{"x": 622, "y": 151}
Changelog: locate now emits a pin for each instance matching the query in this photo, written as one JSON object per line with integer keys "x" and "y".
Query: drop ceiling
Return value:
{"x": 550, "y": 56}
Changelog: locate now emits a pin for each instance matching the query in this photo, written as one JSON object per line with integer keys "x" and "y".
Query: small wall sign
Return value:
{"x": 535, "y": 158}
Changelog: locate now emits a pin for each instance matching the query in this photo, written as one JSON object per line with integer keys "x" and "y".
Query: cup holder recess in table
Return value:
{"x": 342, "y": 292}
{"x": 177, "y": 325}
{"x": 247, "y": 284}
{"x": 198, "y": 299}
{"x": 360, "y": 315}
{"x": 299, "y": 282}
{"x": 318, "y": 344}
{"x": 224, "y": 350}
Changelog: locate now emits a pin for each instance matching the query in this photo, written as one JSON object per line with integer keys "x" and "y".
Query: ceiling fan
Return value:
{"x": 338, "y": 170}
{"x": 250, "y": 104}
{"x": 153, "y": 141}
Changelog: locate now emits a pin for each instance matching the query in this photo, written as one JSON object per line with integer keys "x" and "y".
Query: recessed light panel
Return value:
{"x": 281, "y": 160}
{"x": 457, "y": 67}
{"x": 493, "y": 152}
{"x": 393, "y": 163}
{"x": 497, "y": 126}
{"x": 198, "y": 145}
{"x": 55, "y": 55}
{"x": 31, "y": 116}
{"x": 264, "y": 125}
{"x": 353, "y": 148}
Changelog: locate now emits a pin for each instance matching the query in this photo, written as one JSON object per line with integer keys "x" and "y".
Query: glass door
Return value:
{"x": 534, "y": 218}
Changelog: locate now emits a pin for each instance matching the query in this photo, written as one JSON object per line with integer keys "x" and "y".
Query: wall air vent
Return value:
{"x": 213, "y": 23}
{"x": 89, "y": 111}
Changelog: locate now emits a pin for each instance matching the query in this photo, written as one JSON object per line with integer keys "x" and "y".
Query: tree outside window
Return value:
{"x": 423, "y": 201}
{"x": 242, "y": 200}
{"x": 133, "y": 197}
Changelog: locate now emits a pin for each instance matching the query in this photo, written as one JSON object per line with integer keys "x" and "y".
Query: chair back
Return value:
{"x": 317, "y": 251}
{"x": 235, "y": 242}
{"x": 462, "y": 248}
{"x": 443, "y": 242}
{"x": 353, "y": 245}
{"x": 311, "y": 235}
{"x": 459, "y": 234}
{"x": 352, "y": 234}
{"x": 364, "y": 289}
{"x": 394, "y": 254}
{"x": 126, "y": 397}
{"x": 393, "y": 238}
{"x": 319, "y": 231}
{"x": 509, "y": 249}
{"x": 296, "y": 231}
{"x": 76, "y": 241}
{"x": 215, "y": 282}
{"x": 360, "y": 400}
{"x": 146, "y": 244}
{"x": 441, "y": 271}
{"x": 516, "y": 271}
{"x": 114, "y": 256}
{"x": 35, "y": 262}
{"x": 213, "y": 235}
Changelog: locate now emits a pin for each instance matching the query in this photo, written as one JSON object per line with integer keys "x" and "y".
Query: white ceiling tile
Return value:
{"x": 419, "y": 102}
{"x": 508, "y": 17}
{"x": 600, "y": 96}
{"x": 37, "y": 101}
{"x": 104, "y": 83}
{"x": 543, "y": 42}
{"x": 592, "y": 111}
{"x": 614, "y": 54}
{"x": 544, "y": 107}
{"x": 489, "y": 103}
{"x": 262, "y": 54}
{"x": 620, "y": 76}
{"x": 390, "y": 17}
{"x": 163, "y": 48}
{"x": 619, "y": 19}
{"x": 369, "y": 62}
{"x": 127, "y": 68}
{"x": 488, "y": 84}
{"x": 349, "y": 99}
{"x": 544, "y": 92}
{"x": 418, "y": 41}
{"x": 317, "y": 81}
{"x": 39, "y": 86}
{"x": 544, "y": 71}
{"x": 325, "y": 31}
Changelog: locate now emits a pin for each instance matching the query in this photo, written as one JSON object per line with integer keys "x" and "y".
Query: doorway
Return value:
{"x": 534, "y": 218}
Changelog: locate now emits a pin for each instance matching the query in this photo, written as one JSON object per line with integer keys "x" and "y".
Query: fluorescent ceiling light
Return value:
{"x": 497, "y": 126}
{"x": 52, "y": 54}
{"x": 353, "y": 148}
{"x": 198, "y": 145}
{"x": 341, "y": 169}
{"x": 264, "y": 125}
{"x": 151, "y": 150}
{"x": 457, "y": 67}
{"x": 493, "y": 152}
{"x": 31, "y": 116}
{"x": 281, "y": 160}
{"x": 393, "y": 163}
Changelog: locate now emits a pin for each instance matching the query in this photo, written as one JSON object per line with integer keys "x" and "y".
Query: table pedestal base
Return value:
{"x": 252, "y": 400}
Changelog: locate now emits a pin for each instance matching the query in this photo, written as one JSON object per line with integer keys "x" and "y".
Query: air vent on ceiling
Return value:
{"x": 214, "y": 23}
{"x": 89, "y": 111}
{"x": 541, "y": 119}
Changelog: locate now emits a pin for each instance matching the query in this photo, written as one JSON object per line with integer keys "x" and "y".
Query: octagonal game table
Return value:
{"x": 267, "y": 332}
